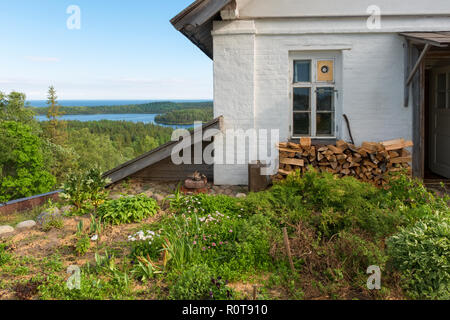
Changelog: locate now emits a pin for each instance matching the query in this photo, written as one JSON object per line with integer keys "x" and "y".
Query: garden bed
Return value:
{"x": 134, "y": 246}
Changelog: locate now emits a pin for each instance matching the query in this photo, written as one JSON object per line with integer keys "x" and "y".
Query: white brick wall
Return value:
{"x": 252, "y": 78}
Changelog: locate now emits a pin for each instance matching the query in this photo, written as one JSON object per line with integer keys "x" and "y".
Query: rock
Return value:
{"x": 158, "y": 197}
{"x": 5, "y": 230}
{"x": 48, "y": 214}
{"x": 115, "y": 196}
{"x": 149, "y": 193}
{"x": 26, "y": 225}
{"x": 227, "y": 192}
{"x": 66, "y": 209}
{"x": 241, "y": 195}
{"x": 194, "y": 184}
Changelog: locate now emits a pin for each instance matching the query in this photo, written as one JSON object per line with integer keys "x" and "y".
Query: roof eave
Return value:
{"x": 196, "y": 20}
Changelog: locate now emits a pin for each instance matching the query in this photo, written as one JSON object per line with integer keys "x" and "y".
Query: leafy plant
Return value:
{"x": 96, "y": 226}
{"x": 22, "y": 166}
{"x": 83, "y": 245}
{"x": 422, "y": 253}
{"x": 128, "y": 209}
{"x": 80, "y": 228}
{"x": 193, "y": 284}
{"x": 145, "y": 269}
{"x": 220, "y": 290}
{"x": 53, "y": 222}
{"x": 85, "y": 190}
{"x": 5, "y": 257}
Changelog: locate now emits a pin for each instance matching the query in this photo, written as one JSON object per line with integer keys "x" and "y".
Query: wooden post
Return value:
{"x": 288, "y": 248}
{"x": 256, "y": 181}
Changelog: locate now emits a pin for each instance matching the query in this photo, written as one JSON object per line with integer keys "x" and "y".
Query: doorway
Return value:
{"x": 437, "y": 123}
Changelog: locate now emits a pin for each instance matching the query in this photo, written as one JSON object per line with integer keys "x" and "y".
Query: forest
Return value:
{"x": 185, "y": 117}
{"x": 35, "y": 157}
{"x": 148, "y": 108}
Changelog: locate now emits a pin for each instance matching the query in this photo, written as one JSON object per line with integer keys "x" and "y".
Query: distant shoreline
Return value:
{"x": 160, "y": 107}
{"x": 103, "y": 103}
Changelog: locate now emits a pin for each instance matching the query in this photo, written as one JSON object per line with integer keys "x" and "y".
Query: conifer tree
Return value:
{"x": 56, "y": 129}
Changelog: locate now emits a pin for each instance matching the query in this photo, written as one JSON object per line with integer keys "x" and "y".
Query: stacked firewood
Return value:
{"x": 372, "y": 162}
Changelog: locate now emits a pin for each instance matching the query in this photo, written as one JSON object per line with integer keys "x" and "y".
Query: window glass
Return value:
{"x": 442, "y": 82}
{"x": 302, "y": 99}
{"x": 441, "y": 100}
{"x": 325, "y": 99}
{"x": 301, "y": 123}
{"x": 325, "y": 124}
{"x": 302, "y": 71}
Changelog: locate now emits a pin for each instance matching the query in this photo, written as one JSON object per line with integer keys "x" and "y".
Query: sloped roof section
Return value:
{"x": 156, "y": 155}
{"x": 195, "y": 22}
{"x": 438, "y": 39}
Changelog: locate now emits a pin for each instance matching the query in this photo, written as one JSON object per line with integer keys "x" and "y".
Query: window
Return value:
{"x": 443, "y": 90}
{"x": 313, "y": 98}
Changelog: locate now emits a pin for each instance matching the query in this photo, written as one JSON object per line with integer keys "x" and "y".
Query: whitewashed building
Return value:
{"x": 301, "y": 66}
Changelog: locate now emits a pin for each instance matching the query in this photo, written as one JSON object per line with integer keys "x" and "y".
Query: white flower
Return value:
{"x": 94, "y": 238}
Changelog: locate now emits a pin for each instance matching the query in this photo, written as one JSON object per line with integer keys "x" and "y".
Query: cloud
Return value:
{"x": 42, "y": 59}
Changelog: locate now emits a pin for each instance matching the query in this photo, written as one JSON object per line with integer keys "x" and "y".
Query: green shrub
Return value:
{"x": 357, "y": 254}
{"x": 144, "y": 269}
{"x": 5, "y": 257}
{"x": 147, "y": 244}
{"x": 193, "y": 284}
{"x": 83, "y": 245}
{"x": 92, "y": 288}
{"x": 128, "y": 209}
{"x": 85, "y": 190}
{"x": 331, "y": 204}
{"x": 53, "y": 222}
{"x": 22, "y": 165}
{"x": 422, "y": 253}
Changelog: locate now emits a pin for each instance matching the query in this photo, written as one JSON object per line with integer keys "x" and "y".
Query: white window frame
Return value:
{"x": 314, "y": 85}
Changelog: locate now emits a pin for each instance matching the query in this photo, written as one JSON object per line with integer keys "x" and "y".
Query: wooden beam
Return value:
{"x": 407, "y": 72}
{"x": 418, "y": 94}
{"x": 418, "y": 63}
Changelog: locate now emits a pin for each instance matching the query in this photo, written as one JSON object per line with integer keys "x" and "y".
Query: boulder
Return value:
{"x": 194, "y": 184}
{"x": 149, "y": 193}
{"x": 26, "y": 225}
{"x": 158, "y": 197}
{"x": 241, "y": 195}
{"x": 5, "y": 230}
{"x": 115, "y": 196}
{"x": 47, "y": 215}
{"x": 67, "y": 209}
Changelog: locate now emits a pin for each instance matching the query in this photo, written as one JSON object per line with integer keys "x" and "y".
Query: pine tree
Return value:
{"x": 56, "y": 129}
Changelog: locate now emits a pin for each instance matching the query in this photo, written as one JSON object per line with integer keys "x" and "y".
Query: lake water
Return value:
{"x": 145, "y": 118}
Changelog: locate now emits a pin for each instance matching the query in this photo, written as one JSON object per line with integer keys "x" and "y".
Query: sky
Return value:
{"x": 122, "y": 50}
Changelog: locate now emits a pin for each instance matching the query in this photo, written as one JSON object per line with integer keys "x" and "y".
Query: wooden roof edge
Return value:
{"x": 192, "y": 22}
{"x": 198, "y": 13}
{"x": 175, "y": 20}
{"x": 215, "y": 122}
{"x": 437, "y": 42}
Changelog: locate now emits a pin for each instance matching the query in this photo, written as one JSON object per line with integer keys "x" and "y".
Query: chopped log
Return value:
{"x": 293, "y": 162}
{"x": 371, "y": 162}
{"x": 305, "y": 142}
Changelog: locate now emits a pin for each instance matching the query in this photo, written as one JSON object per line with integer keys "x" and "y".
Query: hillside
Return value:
{"x": 151, "y": 108}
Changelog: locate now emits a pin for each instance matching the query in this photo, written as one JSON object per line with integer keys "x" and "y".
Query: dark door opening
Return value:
{"x": 434, "y": 148}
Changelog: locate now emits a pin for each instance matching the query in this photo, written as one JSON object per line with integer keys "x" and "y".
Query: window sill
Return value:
{"x": 317, "y": 141}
